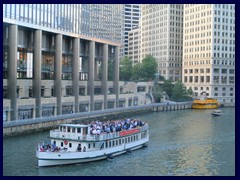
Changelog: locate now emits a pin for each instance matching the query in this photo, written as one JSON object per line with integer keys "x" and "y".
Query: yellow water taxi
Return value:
{"x": 208, "y": 103}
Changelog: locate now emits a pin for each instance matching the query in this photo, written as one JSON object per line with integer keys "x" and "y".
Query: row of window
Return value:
{"x": 196, "y": 70}
{"x": 203, "y": 79}
{"x": 209, "y": 55}
{"x": 112, "y": 143}
{"x": 215, "y": 89}
{"x": 66, "y": 109}
{"x": 70, "y": 18}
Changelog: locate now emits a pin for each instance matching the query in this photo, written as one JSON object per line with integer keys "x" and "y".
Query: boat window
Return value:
{"x": 94, "y": 145}
{"x": 116, "y": 142}
{"x": 110, "y": 145}
{"x": 119, "y": 141}
{"x": 60, "y": 128}
{"x": 89, "y": 145}
{"x": 106, "y": 144}
{"x": 73, "y": 130}
{"x": 125, "y": 140}
{"x": 131, "y": 138}
{"x": 128, "y": 139}
{"x": 134, "y": 138}
{"x": 122, "y": 140}
{"x": 68, "y": 129}
{"x": 61, "y": 144}
{"x": 137, "y": 137}
{"x": 70, "y": 145}
{"x": 79, "y": 130}
{"x": 113, "y": 142}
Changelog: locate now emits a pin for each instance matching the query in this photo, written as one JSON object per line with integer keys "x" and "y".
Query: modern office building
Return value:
{"x": 132, "y": 14}
{"x": 162, "y": 37}
{"x": 209, "y": 50}
{"x": 56, "y": 56}
{"x": 134, "y": 45}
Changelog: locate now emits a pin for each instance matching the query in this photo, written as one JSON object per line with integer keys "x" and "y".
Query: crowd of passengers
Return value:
{"x": 98, "y": 127}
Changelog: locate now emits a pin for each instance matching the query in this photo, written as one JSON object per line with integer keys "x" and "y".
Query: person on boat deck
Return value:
{"x": 79, "y": 148}
{"x": 53, "y": 145}
{"x": 84, "y": 149}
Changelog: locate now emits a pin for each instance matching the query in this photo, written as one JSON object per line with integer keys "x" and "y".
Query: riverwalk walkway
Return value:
{"x": 36, "y": 124}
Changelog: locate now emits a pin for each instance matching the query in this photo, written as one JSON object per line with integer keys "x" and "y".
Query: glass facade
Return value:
{"x": 103, "y": 21}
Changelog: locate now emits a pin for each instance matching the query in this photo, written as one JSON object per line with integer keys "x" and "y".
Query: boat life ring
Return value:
{"x": 65, "y": 142}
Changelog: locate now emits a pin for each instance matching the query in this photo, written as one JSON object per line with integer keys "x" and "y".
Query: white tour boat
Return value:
{"x": 217, "y": 113}
{"x": 78, "y": 143}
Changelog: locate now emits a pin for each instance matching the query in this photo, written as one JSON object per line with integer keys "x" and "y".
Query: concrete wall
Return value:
{"x": 40, "y": 124}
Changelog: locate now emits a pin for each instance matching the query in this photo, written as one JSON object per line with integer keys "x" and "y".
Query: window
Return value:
{"x": 216, "y": 71}
{"x": 224, "y": 71}
{"x": 25, "y": 113}
{"x": 69, "y": 91}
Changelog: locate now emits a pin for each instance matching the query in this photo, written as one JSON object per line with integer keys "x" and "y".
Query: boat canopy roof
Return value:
{"x": 75, "y": 125}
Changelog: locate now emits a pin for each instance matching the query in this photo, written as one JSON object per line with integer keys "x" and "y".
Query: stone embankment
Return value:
{"x": 45, "y": 123}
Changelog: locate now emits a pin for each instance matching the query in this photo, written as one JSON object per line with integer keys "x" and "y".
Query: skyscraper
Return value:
{"x": 209, "y": 50}
{"x": 134, "y": 45}
{"x": 55, "y": 59}
{"x": 161, "y": 36}
{"x": 132, "y": 15}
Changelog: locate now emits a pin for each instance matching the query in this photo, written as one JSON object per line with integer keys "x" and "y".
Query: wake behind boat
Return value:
{"x": 78, "y": 143}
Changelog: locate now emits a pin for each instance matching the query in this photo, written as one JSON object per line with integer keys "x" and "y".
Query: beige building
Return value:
{"x": 132, "y": 15}
{"x": 161, "y": 36}
{"x": 209, "y": 50}
{"x": 134, "y": 45}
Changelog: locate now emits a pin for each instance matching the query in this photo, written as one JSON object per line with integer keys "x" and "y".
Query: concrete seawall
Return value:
{"x": 45, "y": 123}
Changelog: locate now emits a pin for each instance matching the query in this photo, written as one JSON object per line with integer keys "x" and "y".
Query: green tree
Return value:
{"x": 136, "y": 72}
{"x": 157, "y": 92}
{"x": 125, "y": 73}
{"x": 190, "y": 91}
{"x": 149, "y": 68}
{"x": 168, "y": 87}
{"x": 179, "y": 91}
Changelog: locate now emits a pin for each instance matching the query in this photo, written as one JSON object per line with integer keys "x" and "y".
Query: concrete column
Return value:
{"x": 37, "y": 55}
{"x": 58, "y": 72}
{"x": 12, "y": 71}
{"x": 91, "y": 74}
{"x": 105, "y": 75}
{"x": 116, "y": 75}
{"x": 75, "y": 81}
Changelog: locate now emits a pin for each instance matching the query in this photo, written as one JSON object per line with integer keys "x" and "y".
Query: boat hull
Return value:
{"x": 204, "y": 106}
{"x": 215, "y": 114}
{"x": 64, "y": 158}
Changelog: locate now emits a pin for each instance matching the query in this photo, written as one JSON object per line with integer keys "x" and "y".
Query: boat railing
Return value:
{"x": 90, "y": 137}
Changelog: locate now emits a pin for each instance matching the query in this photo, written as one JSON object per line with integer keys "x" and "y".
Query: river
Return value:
{"x": 181, "y": 143}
